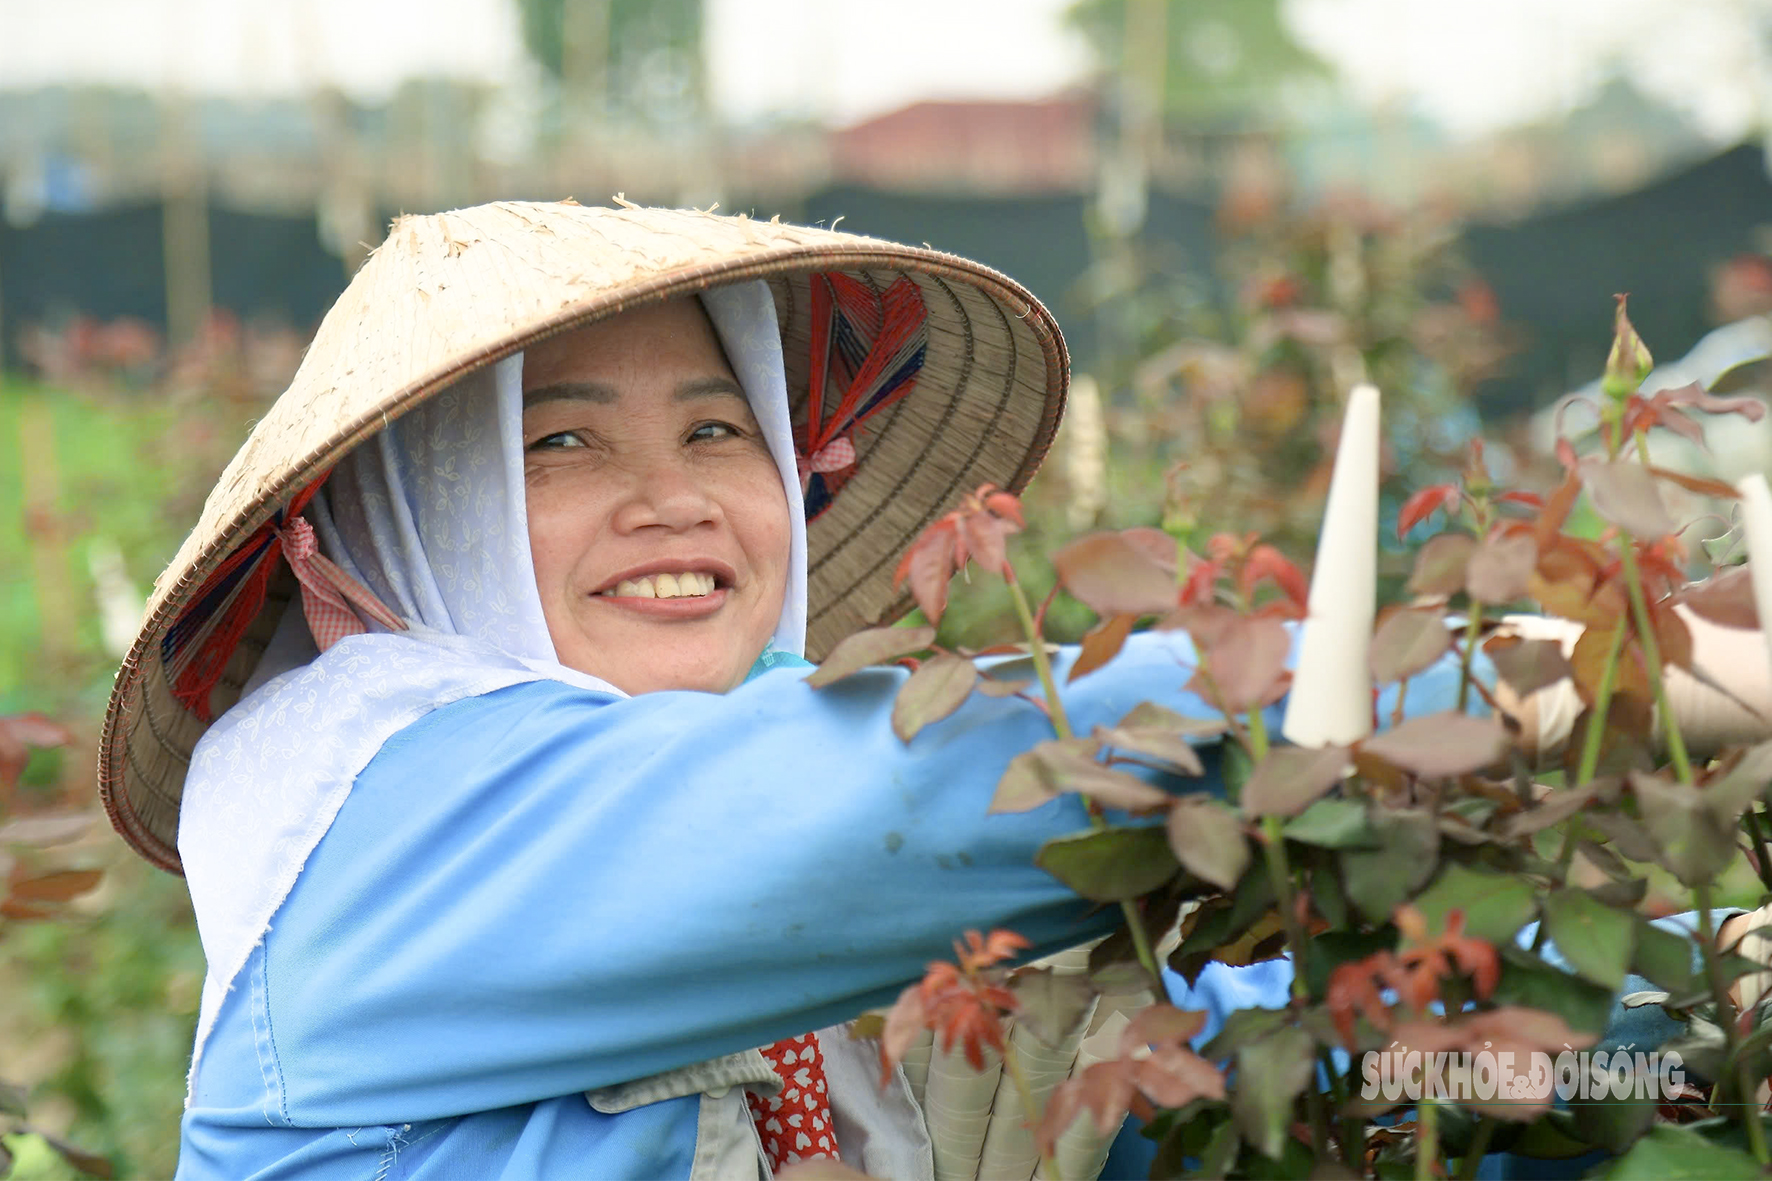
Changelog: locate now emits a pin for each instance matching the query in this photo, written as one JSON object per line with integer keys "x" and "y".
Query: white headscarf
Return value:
{"x": 429, "y": 515}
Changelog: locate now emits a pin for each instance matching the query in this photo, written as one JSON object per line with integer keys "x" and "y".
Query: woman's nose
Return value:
{"x": 665, "y": 493}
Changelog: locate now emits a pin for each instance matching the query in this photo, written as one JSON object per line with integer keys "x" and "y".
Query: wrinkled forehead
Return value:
{"x": 628, "y": 348}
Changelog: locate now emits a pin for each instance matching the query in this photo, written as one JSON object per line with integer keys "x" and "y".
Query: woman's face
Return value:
{"x": 657, "y": 517}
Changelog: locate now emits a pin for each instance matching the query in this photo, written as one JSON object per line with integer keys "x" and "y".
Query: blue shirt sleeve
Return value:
{"x": 545, "y": 890}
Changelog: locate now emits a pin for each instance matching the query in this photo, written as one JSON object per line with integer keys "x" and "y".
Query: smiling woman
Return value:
{"x": 657, "y": 518}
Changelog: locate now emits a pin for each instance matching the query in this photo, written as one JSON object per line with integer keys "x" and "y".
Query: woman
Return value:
{"x": 518, "y": 831}
{"x": 494, "y": 823}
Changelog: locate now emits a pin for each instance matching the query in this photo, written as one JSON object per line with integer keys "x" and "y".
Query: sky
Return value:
{"x": 1471, "y": 65}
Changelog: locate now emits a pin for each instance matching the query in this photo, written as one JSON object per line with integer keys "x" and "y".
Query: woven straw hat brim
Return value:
{"x": 450, "y": 293}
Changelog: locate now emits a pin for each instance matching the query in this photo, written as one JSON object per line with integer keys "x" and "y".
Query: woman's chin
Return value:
{"x": 654, "y": 672}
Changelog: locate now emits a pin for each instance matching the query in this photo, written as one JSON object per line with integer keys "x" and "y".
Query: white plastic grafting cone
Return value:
{"x": 1331, "y": 697}
{"x": 1756, "y": 519}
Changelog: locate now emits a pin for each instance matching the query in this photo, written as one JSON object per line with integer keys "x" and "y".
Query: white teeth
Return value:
{"x": 688, "y": 584}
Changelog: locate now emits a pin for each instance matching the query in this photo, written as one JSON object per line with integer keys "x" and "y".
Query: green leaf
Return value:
{"x": 1110, "y": 864}
{"x": 1495, "y": 905}
{"x": 1532, "y": 983}
{"x": 1527, "y": 665}
{"x": 1596, "y": 939}
{"x": 1550, "y": 1137}
{"x": 876, "y": 645}
{"x": 1241, "y": 1028}
{"x": 1271, "y": 1073}
{"x": 1614, "y": 1122}
{"x": 1695, "y": 844}
{"x": 1666, "y": 960}
{"x": 1670, "y": 1153}
{"x": 1440, "y": 564}
{"x": 1500, "y": 568}
{"x": 1745, "y": 782}
{"x": 1207, "y": 838}
{"x": 931, "y": 693}
{"x": 1290, "y": 778}
{"x": 1379, "y": 880}
{"x": 1333, "y": 824}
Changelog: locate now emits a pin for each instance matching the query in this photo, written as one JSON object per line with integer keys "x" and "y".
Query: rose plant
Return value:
{"x": 1398, "y": 872}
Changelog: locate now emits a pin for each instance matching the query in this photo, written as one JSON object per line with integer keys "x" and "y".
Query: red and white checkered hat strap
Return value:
{"x": 335, "y": 603}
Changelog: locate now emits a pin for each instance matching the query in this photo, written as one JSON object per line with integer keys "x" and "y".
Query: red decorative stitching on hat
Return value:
{"x": 867, "y": 349}
{"x": 197, "y": 647}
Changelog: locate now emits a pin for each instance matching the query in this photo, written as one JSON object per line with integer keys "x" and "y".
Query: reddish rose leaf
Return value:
{"x": 1072, "y": 770}
{"x": 1101, "y": 644}
{"x": 1245, "y": 667}
{"x": 1500, "y": 568}
{"x": 1624, "y": 493}
{"x": 1291, "y": 778}
{"x": 929, "y": 566}
{"x": 1174, "y": 1076}
{"x": 876, "y": 645}
{"x": 1029, "y": 782}
{"x": 1726, "y": 598}
{"x": 1561, "y": 502}
{"x": 1163, "y": 549}
{"x": 931, "y": 693}
{"x": 904, "y": 1023}
{"x": 1160, "y": 1025}
{"x": 1527, "y": 665}
{"x": 987, "y": 537}
{"x": 1440, "y": 744}
{"x": 1407, "y": 642}
{"x": 1694, "y": 395}
{"x": 58, "y": 886}
{"x": 1698, "y": 484}
{"x": 20, "y": 735}
{"x": 43, "y": 831}
{"x": 1105, "y": 1090}
{"x": 1165, "y": 745}
{"x": 1425, "y": 504}
{"x": 1116, "y": 575}
{"x": 1673, "y": 638}
{"x": 1207, "y": 838}
{"x": 1266, "y": 562}
{"x": 993, "y": 688}
{"x": 1440, "y": 564}
{"x": 1529, "y": 499}
{"x": 12, "y": 908}
{"x": 1148, "y": 715}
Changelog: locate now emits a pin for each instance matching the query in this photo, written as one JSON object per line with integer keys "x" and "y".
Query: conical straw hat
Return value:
{"x": 450, "y": 293}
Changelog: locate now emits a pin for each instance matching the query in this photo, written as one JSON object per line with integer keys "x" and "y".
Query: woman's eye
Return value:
{"x": 709, "y": 431}
{"x": 557, "y": 441}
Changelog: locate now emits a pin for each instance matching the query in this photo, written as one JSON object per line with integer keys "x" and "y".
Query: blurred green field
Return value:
{"x": 97, "y": 1008}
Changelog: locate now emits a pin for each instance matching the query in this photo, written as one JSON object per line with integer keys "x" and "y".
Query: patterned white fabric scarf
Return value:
{"x": 430, "y": 516}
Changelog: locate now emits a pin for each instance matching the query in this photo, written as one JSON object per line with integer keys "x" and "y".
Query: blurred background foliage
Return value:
{"x": 1233, "y": 225}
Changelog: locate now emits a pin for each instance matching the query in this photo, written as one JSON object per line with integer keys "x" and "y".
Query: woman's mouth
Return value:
{"x": 686, "y": 585}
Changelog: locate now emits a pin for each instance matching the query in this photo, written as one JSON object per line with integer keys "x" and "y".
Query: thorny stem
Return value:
{"x": 1061, "y": 726}
{"x": 1472, "y": 626}
{"x": 1012, "y": 1064}
{"x": 1639, "y": 604}
{"x": 1427, "y": 1140}
{"x": 1761, "y": 854}
{"x": 1473, "y": 1157}
{"x": 1713, "y": 964}
{"x": 1590, "y": 757}
{"x": 1719, "y": 990}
